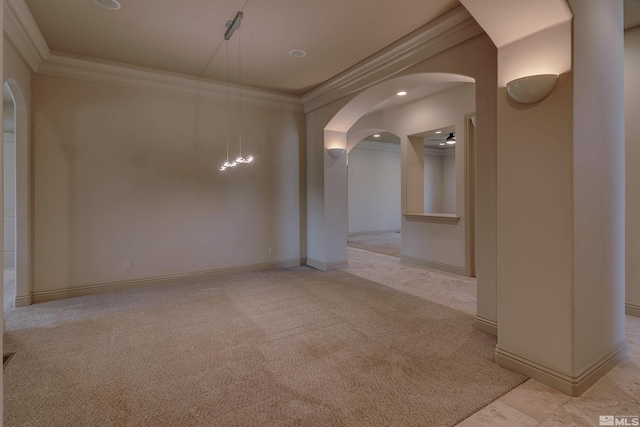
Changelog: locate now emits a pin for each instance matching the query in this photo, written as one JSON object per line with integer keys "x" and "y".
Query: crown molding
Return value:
{"x": 452, "y": 28}
{"x": 93, "y": 70}
{"x": 23, "y": 33}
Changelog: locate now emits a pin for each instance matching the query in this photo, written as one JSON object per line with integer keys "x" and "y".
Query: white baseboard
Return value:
{"x": 22, "y": 301}
{"x": 322, "y": 266}
{"x": 434, "y": 265}
{"x": 44, "y": 296}
{"x": 632, "y": 309}
{"x": 486, "y": 325}
{"x": 360, "y": 233}
{"x": 573, "y": 385}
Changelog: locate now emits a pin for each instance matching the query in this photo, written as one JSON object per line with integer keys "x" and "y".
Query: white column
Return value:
{"x": 561, "y": 208}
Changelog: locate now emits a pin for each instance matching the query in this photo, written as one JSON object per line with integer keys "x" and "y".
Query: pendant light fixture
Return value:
{"x": 232, "y": 26}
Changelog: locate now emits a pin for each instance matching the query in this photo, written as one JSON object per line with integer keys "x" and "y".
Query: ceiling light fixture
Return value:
{"x": 232, "y": 26}
{"x": 438, "y": 132}
{"x": 297, "y": 53}
{"x": 401, "y": 93}
{"x": 109, "y": 4}
{"x": 377, "y": 135}
{"x": 451, "y": 139}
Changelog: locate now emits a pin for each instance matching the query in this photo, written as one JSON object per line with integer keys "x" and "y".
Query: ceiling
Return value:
{"x": 186, "y": 36}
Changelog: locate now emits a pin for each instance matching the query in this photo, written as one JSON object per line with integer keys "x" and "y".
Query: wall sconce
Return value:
{"x": 335, "y": 153}
{"x": 530, "y": 89}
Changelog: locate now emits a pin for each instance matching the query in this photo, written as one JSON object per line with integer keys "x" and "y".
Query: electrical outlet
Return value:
{"x": 126, "y": 265}
{"x": 270, "y": 250}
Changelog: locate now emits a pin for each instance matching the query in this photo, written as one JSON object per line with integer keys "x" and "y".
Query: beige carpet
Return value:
{"x": 278, "y": 348}
{"x": 387, "y": 243}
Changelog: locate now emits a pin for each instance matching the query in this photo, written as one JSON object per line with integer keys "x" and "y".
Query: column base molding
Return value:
{"x": 486, "y": 325}
{"x": 326, "y": 266}
{"x": 573, "y": 385}
{"x": 23, "y": 301}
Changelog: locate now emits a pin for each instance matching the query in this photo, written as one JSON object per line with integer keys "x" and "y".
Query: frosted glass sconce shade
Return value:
{"x": 335, "y": 152}
{"x": 530, "y": 89}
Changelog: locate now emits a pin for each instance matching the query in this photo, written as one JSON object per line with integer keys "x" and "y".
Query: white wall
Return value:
{"x": 432, "y": 183}
{"x": 131, "y": 174}
{"x": 632, "y": 136}
{"x": 440, "y": 181}
{"x": 374, "y": 187}
{"x": 449, "y": 183}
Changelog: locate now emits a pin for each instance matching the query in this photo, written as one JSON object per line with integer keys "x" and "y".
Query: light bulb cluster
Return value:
{"x": 239, "y": 160}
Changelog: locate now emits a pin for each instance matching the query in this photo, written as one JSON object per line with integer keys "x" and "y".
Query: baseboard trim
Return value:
{"x": 632, "y": 309}
{"x": 322, "y": 266}
{"x": 573, "y": 385}
{"x": 360, "y": 233}
{"x": 44, "y": 296}
{"x": 23, "y": 301}
{"x": 434, "y": 265}
{"x": 486, "y": 325}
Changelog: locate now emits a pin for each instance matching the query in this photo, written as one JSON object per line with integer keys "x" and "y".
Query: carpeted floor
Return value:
{"x": 387, "y": 242}
{"x": 276, "y": 348}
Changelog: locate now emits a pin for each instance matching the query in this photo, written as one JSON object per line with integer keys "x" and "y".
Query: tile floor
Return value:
{"x": 532, "y": 403}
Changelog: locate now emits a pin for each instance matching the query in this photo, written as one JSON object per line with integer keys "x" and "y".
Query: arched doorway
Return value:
{"x": 374, "y": 181}
{"x": 436, "y": 102}
{"x": 17, "y": 214}
{"x": 9, "y": 196}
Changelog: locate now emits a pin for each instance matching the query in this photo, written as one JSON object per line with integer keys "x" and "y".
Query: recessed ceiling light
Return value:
{"x": 438, "y": 131}
{"x": 377, "y": 135}
{"x": 442, "y": 143}
{"x": 401, "y": 93}
{"x": 109, "y": 4}
{"x": 297, "y": 53}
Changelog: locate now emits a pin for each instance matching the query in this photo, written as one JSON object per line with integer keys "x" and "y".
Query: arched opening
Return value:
{"x": 435, "y": 102}
{"x": 9, "y": 196}
{"x": 17, "y": 213}
{"x": 374, "y": 182}
{"x": 432, "y": 237}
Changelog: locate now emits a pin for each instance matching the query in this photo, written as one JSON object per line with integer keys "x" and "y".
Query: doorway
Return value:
{"x": 9, "y": 196}
{"x": 374, "y": 205}
{"x": 16, "y": 197}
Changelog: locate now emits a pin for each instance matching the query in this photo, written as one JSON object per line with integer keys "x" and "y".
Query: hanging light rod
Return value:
{"x": 232, "y": 26}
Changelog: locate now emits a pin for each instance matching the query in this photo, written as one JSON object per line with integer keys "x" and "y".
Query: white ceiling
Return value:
{"x": 186, "y": 36}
